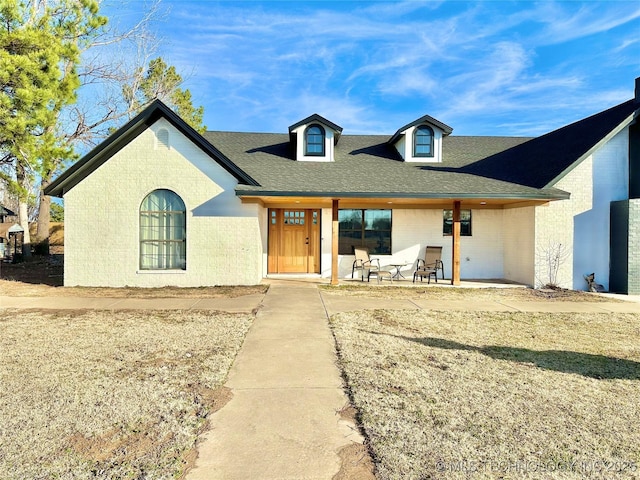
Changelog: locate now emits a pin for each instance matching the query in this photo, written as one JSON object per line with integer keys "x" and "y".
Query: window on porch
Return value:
{"x": 465, "y": 223}
{"x": 364, "y": 228}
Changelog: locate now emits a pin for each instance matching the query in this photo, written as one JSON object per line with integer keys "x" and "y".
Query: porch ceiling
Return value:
{"x": 392, "y": 202}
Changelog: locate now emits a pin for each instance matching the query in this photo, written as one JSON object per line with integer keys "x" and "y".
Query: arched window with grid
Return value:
{"x": 314, "y": 140}
{"x": 163, "y": 232}
{"x": 423, "y": 141}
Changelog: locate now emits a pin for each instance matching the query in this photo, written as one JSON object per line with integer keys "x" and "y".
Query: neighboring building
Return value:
{"x": 158, "y": 204}
{"x": 5, "y": 213}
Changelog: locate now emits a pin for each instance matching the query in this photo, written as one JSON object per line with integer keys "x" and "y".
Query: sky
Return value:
{"x": 484, "y": 68}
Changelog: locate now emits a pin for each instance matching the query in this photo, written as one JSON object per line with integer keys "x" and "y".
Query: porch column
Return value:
{"x": 334, "y": 243}
{"x": 455, "y": 260}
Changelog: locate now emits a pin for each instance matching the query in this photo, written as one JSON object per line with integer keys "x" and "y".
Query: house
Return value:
{"x": 4, "y": 213}
{"x": 5, "y": 225}
{"x": 159, "y": 204}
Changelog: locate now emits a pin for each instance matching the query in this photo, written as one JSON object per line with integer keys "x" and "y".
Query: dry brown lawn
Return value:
{"x": 456, "y": 293}
{"x": 495, "y": 395}
{"x": 42, "y": 277}
{"x": 97, "y": 394}
{"x": 21, "y": 289}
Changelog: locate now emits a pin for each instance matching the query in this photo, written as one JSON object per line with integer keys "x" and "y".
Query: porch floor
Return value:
{"x": 408, "y": 282}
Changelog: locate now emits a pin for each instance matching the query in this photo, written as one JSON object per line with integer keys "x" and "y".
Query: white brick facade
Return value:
{"x": 554, "y": 228}
{"x": 519, "y": 244}
{"x": 581, "y": 224}
{"x": 224, "y": 245}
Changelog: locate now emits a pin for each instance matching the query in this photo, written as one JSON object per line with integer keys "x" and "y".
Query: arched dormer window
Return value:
{"x": 314, "y": 141}
{"x": 423, "y": 141}
{"x": 163, "y": 232}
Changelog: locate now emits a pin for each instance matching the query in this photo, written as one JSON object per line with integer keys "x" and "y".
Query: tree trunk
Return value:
{"x": 44, "y": 217}
{"x": 23, "y": 210}
{"x": 23, "y": 220}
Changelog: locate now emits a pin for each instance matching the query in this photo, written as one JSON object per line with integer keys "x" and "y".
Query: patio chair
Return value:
{"x": 430, "y": 265}
{"x": 364, "y": 263}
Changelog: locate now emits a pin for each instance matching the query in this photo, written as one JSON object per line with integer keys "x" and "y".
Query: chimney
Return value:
{"x": 637, "y": 90}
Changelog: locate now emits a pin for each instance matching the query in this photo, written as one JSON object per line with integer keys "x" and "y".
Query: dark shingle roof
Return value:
{"x": 317, "y": 118}
{"x": 541, "y": 161}
{"x": 5, "y": 212}
{"x": 367, "y": 166}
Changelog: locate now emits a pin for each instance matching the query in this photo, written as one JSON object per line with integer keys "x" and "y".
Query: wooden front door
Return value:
{"x": 294, "y": 240}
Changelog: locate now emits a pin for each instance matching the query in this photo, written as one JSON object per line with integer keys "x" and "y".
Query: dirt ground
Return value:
{"x": 43, "y": 276}
{"x": 41, "y": 270}
{"x": 461, "y": 294}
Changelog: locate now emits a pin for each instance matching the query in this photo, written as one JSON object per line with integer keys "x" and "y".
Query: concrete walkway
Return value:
{"x": 283, "y": 421}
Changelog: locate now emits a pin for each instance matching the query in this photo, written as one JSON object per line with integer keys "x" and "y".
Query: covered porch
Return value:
{"x": 306, "y": 231}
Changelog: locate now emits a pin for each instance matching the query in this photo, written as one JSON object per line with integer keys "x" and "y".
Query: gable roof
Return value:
{"x": 446, "y": 129}
{"x": 542, "y": 161}
{"x": 5, "y": 212}
{"x": 319, "y": 119}
{"x": 124, "y": 135}
{"x": 315, "y": 118}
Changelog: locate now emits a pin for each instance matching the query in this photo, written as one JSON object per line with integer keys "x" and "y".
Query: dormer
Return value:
{"x": 421, "y": 140}
{"x": 314, "y": 139}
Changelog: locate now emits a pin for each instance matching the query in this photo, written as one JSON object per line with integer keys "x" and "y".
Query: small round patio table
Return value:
{"x": 398, "y": 274}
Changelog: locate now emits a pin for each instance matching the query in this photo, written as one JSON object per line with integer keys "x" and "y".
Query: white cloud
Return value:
{"x": 369, "y": 65}
{"x": 626, "y": 43}
{"x": 563, "y": 23}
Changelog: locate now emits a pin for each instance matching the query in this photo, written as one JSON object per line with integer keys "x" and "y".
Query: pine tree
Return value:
{"x": 161, "y": 81}
{"x": 35, "y": 46}
{"x": 43, "y": 64}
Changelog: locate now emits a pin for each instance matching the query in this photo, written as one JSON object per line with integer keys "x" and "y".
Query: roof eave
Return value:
{"x": 5, "y": 212}
{"x": 556, "y": 194}
{"x": 317, "y": 118}
{"x": 625, "y": 123}
{"x": 446, "y": 129}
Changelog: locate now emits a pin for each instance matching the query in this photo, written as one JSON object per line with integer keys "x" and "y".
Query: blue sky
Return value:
{"x": 484, "y": 68}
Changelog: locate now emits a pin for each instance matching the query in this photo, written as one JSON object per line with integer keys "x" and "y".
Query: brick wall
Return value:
{"x": 554, "y": 237}
{"x": 634, "y": 247}
{"x": 224, "y": 244}
{"x": 625, "y": 253}
{"x": 580, "y": 225}
{"x": 519, "y": 244}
